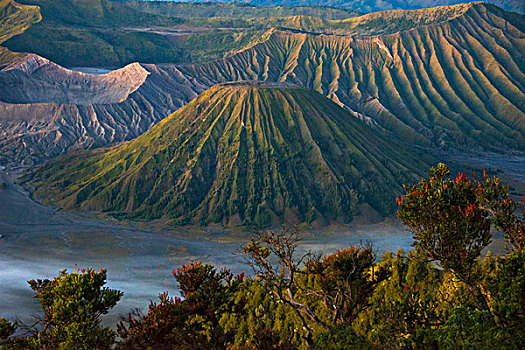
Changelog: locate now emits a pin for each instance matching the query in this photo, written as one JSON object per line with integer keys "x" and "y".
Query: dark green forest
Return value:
{"x": 448, "y": 292}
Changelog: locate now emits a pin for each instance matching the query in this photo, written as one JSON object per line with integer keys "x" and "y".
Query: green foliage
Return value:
{"x": 413, "y": 290}
{"x": 264, "y": 323}
{"x": 72, "y": 305}
{"x": 451, "y": 220}
{"x": 7, "y": 328}
{"x": 475, "y": 329}
{"x": 341, "y": 338}
{"x": 323, "y": 292}
{"x": 346, "y": 280}
{"x": 506, "y": 293}
{"x": 337, "y": 301}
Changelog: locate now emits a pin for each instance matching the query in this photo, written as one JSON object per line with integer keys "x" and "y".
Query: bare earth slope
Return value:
{"x": 46, "y": 110}
{"x": 37, "y": 80}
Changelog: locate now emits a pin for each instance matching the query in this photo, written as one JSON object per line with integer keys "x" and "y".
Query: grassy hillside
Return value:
{"x": 94, "y": 13}
{"x": 386, "y": 22}
{"x": 14, "y": 20}
{"x": 239, "y": 154}
{"x": 89, "y": 32}
{"x": 110, "y": 34}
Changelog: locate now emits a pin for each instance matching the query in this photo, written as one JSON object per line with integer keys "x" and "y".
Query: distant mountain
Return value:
{"x": 104, "y": 33}
{"x": 442, "y": 80}
{"x": 98, "y": 13}
{"x": 437, "y": 78}
{"x": 187, "y": 10}
{"x": 240, "y": 153}
{"x": 384, "y": 5}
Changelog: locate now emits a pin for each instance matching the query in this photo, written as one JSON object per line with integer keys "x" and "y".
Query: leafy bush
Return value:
{"x": 72, "y": 305}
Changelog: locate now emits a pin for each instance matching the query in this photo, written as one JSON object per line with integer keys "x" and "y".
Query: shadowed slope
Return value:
{"x": 239, "y": 154}
{"x": 234, "y": 10}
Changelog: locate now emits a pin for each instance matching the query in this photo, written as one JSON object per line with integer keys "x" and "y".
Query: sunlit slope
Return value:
{"x": 14, "y": 19}
{"x": 458, "y": 82}
{"x": 239, "y": 154}
{"x": 385, "y": 22}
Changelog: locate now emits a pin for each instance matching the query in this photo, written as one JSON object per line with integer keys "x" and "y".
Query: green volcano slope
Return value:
{"x": 458, "y": 82}
{"x": 245, "y": 154}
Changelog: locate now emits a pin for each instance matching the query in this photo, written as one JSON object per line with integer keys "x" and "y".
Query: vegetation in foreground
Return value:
{"x": 441, "y": 294}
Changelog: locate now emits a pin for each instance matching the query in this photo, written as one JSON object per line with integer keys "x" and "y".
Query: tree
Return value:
{"x": 190, "y": 322}
{"x": 404, "y": 305}
{"x": 264, "y": 323}
{"x": 505, "y": 290}
{"x": 72, "y": 305}
{"x": 7, "y": 328}
{"x": 451, "y": 220}
{"x": 343, "y": 281}
{"x": 512, "y": 226}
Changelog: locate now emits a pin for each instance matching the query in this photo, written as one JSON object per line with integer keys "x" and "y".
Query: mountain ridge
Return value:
{"x": 14, "y": 20}
{"x": 386, "y": 5}
{"x": 416, "y": 83}
{"x": 457, "y": 84}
